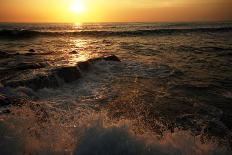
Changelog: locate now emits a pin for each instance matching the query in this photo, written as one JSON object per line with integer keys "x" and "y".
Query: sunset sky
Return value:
{"x": 114, "y": 10}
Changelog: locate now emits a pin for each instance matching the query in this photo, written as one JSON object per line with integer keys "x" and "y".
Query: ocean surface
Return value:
{"x": 170, "y": 93}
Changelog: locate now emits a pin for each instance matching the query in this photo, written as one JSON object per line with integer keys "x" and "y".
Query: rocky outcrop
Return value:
{"x": 73, "y": 52}
{"x": 66, "y": 74}
{"x": 39, "y": 82}
{"x": 31, "y": 50}
{"x": 26, "y": 66}
{"x": 111, "y": 58}
{"x": 105, "y": 58}
{"x": 6, "y": 101}
{"x": 4, "y": 55}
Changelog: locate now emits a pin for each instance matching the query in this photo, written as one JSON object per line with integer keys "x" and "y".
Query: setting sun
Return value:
{"x": 77, "y": 7}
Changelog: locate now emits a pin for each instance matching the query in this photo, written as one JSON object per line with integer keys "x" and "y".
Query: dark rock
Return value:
{"x": 73, "y": 52}
{"x": 6, "y": 111}
{"x": 44, "y": 81}
{"x": 4, "y": 55}
{"x": 94, "y": 60}
{"x": 84, "y": 66}
{"x": 6, "y": 101}
{"x": 25, "y": 66}
{"x": 68, "y": 74}
{"x": 29, "y": 54}
{"x": 3, "y": 100}
{"x": 111, "y": 58}
{"x": 39, "y": 82}
{"x": 216, "y": 129}
{"x": 106, "y": 58}
{"x": 32, "y": 50}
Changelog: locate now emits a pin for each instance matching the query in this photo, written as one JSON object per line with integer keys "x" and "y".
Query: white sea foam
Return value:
{"x": 88, "y": 132}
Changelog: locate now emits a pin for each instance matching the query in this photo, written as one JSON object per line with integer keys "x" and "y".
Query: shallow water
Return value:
{"x": 170, "y": 94}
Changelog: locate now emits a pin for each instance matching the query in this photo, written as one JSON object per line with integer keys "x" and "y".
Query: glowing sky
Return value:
{"x": 114, "y": 10}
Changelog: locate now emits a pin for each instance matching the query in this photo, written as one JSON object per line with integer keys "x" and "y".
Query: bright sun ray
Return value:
{"x": 77, "y": 7}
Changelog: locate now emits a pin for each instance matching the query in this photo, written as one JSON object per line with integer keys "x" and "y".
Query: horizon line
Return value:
{"x": 197, "y": 21}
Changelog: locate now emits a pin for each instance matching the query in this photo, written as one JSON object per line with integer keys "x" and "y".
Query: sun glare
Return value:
{"x": 77, "y": 7}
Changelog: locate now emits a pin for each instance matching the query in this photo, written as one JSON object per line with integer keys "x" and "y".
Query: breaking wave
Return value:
{"x": 31, "y": 33}
{"x": 54, "y": 132}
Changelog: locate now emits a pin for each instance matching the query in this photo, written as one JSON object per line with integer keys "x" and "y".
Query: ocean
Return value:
{"x": 116, "y": 88}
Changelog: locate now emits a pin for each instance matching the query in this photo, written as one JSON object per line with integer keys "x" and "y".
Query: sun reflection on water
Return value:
{"x": 78, "y": 26}
{"x": 81, "y": 51}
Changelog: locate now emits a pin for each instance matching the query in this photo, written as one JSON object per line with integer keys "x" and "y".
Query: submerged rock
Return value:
{"x": 25, "y": 66}
{"x": 73, "y": 52}
{"x": 32, "y": 50}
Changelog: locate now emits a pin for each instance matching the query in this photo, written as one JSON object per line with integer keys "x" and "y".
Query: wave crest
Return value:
{"x": 31, "y": 33}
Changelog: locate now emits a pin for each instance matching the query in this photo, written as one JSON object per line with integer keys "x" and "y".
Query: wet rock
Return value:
{"x": 84, "y": 66}
{"x": 4, "y": 55}
{"x": 29, "y": 54}
{"x": 6, "y": 111}
{"x": 69, "y": 73}
{"x": 31, "y": 50}
{"x": 26, "y": 66}
{"x": 39, "y": 82}
{"x": 111, "y": 58}
{"x": 3, "y": 100}
{"x": 94, "y": 60}
{"x": 73, "y": 52}
{"x": 216, "y": 128}
{"x": 105, "y": 58}
{"x": 6, "y": 101}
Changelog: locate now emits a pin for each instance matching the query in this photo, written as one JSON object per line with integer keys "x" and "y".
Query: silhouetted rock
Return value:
{"x": 29, "y": 54}
{"x": 39, "y": 82}
{"x": 4, "y": 55}
{"x": 105, "y": 58}
{"x": 83, "y": 66}
{"x": 25, "y": 66}
{"x": 68, "y": 74}
{"x": 111, "y": 58}
{"x": 32, "y": 50}
{"x": 73, "y": 52}
{"x": 93, "y": 60}
{"x": 5, "y": 100}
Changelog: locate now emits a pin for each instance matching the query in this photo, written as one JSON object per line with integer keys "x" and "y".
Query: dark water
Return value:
{"x": 170, "y": 94}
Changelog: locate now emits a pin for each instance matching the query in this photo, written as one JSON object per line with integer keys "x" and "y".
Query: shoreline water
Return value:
{"x": 168, "y": 94}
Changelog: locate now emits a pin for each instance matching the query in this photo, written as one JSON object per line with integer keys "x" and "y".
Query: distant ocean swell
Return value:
{"x": 32, "y": 33}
